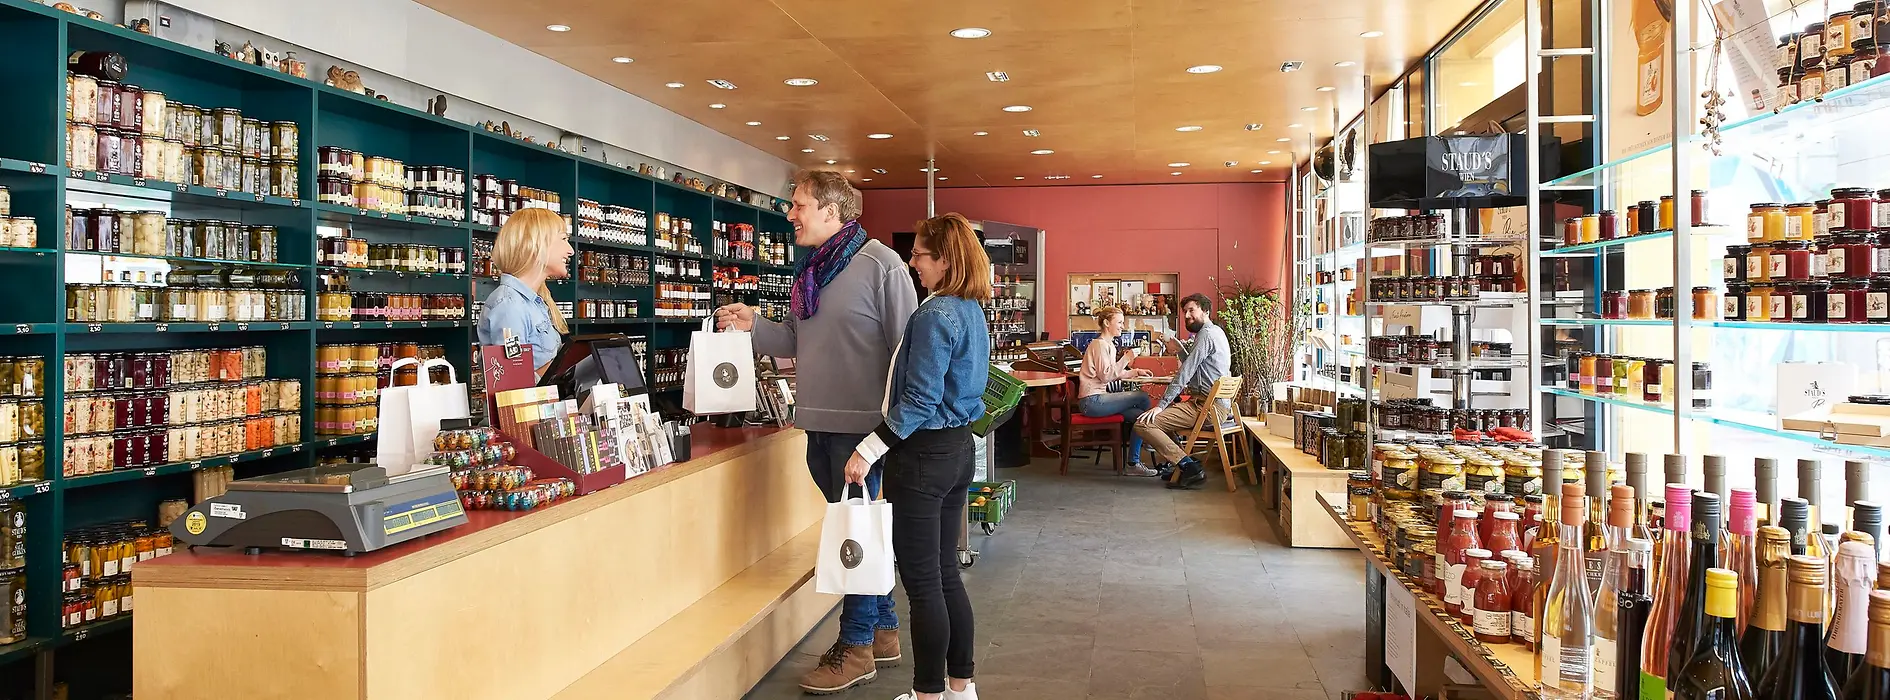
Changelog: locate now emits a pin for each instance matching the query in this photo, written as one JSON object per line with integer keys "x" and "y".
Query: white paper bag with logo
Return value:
{"x": 856, "y": 556}
{"x": 720, "y": 374}
{"x": 410, "y": 416}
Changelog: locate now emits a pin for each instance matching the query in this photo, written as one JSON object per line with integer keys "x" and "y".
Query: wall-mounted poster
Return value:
{"x": 1079, "y": 299}
{"x": 1103, "y": 293}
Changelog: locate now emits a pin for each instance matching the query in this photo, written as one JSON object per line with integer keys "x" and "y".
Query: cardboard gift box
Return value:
{"x": 1848, "y": 423}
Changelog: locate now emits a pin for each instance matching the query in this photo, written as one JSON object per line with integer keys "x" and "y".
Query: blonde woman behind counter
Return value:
{"x": 531, "y": 249}
{"x": 1100, "y": 368}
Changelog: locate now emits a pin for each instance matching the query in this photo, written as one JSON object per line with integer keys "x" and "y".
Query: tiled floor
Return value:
{"x": 1098, "y": 586}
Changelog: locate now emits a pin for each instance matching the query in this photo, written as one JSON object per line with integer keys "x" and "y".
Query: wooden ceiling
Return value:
{"x": 1106, "y": 80}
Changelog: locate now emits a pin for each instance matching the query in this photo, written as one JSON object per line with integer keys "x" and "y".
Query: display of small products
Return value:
{"x": 734, "y": 240}
{"x": 1425, "y": 349}
{"x": 18, "y": 231}
{"x": 1843, "y": 50}
{"x": 1643, "y": 304}
{"x": 675, "y": 233}
{"x": 349, "y": 377}
{"x": 188, "y": 295}
{"x": 666, "y": 368}
{"x": 345, "y": 251}
{"x": 1644, "y": 217}
{"x": 1419, "y": 415}
{"x": 603, "y": 269}
{"x": 133, "y": 410}
{"x": 608, "y": 309}
{"x": 1409, "y": 228}
{"x": 677, "y": 300}
{"x": 1639, "y": 378}
{"x": 776, "y": 310}
{"x": 96, "y": 581}
{"x": 1423, "y": 289}
{"x": 122, "y": 129}
{"x": 387, "y": 185}
{"x": 777, "y": 284}
{"x": 494, "y": 200}
{"x": 336, "y": 303}
{"x": 101, "y": 230}
{"x": 609, "y": 223}
{"x": 669, "y": 268}
{"x": 775, "y": 248}
{"x": 732, "y": 279}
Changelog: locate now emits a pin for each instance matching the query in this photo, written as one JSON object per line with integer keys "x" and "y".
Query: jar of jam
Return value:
{"x": 1609, "y": 226}
{"x": 1705, "y": 304}
{"x": 1586, "y": 377}
{"x": 1733, "y": 305}
{"x": 1734, "y": 265}
{"x": 1821, "y": 218}
{"x": 1837, "y": 33}
{"x": 1647, "y": 215}
{"x": 1604, "y": 374}
{"x": 1491, "y": 621}
{"x": 1697, "y": 207}
{"x": 1853, "y": 254}
{"x": 1664, "y": 303}
{"x": 1759, "y": 262}
{"x": 1852, "y": 208}
{"x": 1614, "y": 304}
{"x": 1790, "y": 260}
{"x": 1632, "y": 221}
{"x": 1820, "y": 257}
{"x": 1800, "y": 221}
{"x": 1811, "y": 45}
{"x": 1652, "y": 391}
{"x": 1845, "y": 302}
{"x": 1666, "y": 212}
{"x": 1765, "y": 221}
{"x": 1810, "y": 302}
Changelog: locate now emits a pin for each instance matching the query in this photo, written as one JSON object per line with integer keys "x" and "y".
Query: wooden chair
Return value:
{"x": 1206, "y": 422}
{"x": 1083, "y": 431}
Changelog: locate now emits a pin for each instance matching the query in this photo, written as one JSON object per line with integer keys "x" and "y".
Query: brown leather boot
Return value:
{"x": 842, "y": 667}
{"x": 886, "y": 647}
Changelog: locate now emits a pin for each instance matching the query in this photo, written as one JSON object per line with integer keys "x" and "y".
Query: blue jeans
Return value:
{"x": 1128, "y": 404}
{"x": 827, "y": 455}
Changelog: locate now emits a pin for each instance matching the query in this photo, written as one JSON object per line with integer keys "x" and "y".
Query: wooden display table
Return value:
{"x": 1507, "y": 670}
{"x": 1289, "y": 480}
{"x": 690, "y": 581}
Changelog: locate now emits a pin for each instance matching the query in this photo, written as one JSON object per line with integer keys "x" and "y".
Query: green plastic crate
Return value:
{"x": 1002, "y": 392}
{"x": 997, "y": 504}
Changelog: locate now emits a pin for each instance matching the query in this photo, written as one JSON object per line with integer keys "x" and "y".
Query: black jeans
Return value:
{"x": 926, "y": 478}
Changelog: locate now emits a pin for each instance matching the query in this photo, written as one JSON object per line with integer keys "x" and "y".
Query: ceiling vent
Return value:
{"x": 725, "y": 85}
{"x": 998, "y": 76}
{"x": 1291, "y": 66}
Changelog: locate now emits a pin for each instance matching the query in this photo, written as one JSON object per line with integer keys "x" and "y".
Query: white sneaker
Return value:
{"x": 970, "y": 693}
{"x": 1137, "y": 470}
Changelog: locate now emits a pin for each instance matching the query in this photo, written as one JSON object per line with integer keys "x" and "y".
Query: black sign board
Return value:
{"x": 1470, "y": 167}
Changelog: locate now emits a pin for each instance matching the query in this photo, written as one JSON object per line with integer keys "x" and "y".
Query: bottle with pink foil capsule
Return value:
{"x": 1738, "y": 550}
{"x": 1669, "y": 591}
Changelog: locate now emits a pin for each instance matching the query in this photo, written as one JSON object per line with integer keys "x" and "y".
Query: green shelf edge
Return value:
{"x": 397, "y": 274}
{"x": 356, "y": 213}
{"x": 85, "y": 329}
{"x": 176, "y": 188}
{"x": 118, "y": 475}
{"x": 386, "y": 325}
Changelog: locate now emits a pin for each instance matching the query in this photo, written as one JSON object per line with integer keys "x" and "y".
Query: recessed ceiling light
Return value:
{"x": 866, "y": 179}
{"x": 1230, "y": 163}
{"x": 1283, "y": 139}
{"x": 1345, "y": 64}
{"x": 1177, "y": 165}
{"x": 1096, "y": 176}
{"x": 849, "y": 171}
{"x": 1017, "y": 108}
{"x": 801, "y": 82}
{"x": 672, "y": 85}
{"x": 942, "y": 178}
{"x": 1467, "y": 83}
{"x": 754, "y": 123}
{"x": 927, "y": 170}
{"x": 1309, "y": 109}
{"x": 781, "y": 138}
{"x": 1042, "y": 152}
{"x": 1033, "y": 133}
{"x": 725, "y": 85}
{"x": 1177, "y": 172}
{"x": 1254, "y": 170}
{"x": 1019, "y": 177}
{"x": 1253, "y": 127}
{"x": 1294, "y": 126}
{"x": 624, "y": 59}
{"x": 1206, "y": 68}
{"x": 817, "y": 137}
{"x": 881, "y": 171}
{"x": 1371, "y": 34}
{"x": 1190, "y": 127}
{"x": 558, "y": 27}
{"x": 1266, "y": 162}
{"x": 1273, "y": 153}
{"x": 997, "y": 76}
{"x": 971, "y": 32}
{"x": 980, "y": 133}
{"x": 879, "y": 136}
{"x": 831, "y": 161}
{"x": 1326, "y": 88}
{"x": 718, "y": 105}
{"x": 807, "y": 150}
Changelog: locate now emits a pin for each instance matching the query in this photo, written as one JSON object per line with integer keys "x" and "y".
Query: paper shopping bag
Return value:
{"x": 856, "y": 556}
{"x": 410, "y": 416}
{"x": 720, "y": 374}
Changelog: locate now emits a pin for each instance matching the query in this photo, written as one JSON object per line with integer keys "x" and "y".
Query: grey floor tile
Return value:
{"x": 1056, "y": 657}
{"x": 1268, "y": 666}
{"x": 1259, "y": 693}
{"x": 1118, "y": 674}
{"x": 1341, "y": 673}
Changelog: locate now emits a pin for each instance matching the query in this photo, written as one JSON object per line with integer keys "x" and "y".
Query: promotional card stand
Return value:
{"x": 505, "y": 371}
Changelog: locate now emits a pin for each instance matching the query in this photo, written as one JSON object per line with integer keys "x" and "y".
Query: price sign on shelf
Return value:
{"x": 1401, "y": 611}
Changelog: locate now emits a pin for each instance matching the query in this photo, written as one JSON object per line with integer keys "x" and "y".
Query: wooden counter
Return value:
{"x": 1290, "y": 478}
{"x": 686, "y": 582}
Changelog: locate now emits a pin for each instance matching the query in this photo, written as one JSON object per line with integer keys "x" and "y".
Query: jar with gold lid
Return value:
{"x": 1483, "y": 474}
{"x": 1398, "y": 475}
{"x": 1440, "y": 470}
{"x": 1522, "y": 476}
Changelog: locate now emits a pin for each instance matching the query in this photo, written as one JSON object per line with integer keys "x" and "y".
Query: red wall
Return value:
{"x": 1195, "y": 231}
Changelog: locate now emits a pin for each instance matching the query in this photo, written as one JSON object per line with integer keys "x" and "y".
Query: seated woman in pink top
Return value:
{"x": 1100, "y": 367}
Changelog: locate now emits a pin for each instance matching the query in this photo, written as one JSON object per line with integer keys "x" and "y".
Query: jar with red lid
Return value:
{"x": 1853, "y": 254}
{"x": 1845, "y": 302}
{"x": 1853, "y": 208}
{"x": 1790, "y": 260}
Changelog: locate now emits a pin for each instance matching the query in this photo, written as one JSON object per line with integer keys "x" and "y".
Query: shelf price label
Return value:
{"x": 100, "y": 177}
{"x": 150, "y": 471}
{"x": 242, "y": 326}
{"x": 295, "y": 201}
{"x": 36, "y": 168}
{"x": 266, "y": 453}
{"x": 223, "y": 192}
{"x": 81, "y": 635}
{"x": 196, "y": 464}
{"x": 259, "y": 196}
{"x": 357, "y": 324}
{"x": 295, "y": 448}
{"x": 94, "y": 327}
{"x": 137, "y": 182}
{"x": 22, "y": 328}
{"x": 328, "y": 325}
{"x": 42, "y": 487}
{"x": 181, "y": 187}
{"x": 213, "y": 327}
{"x": 160, "y": 327}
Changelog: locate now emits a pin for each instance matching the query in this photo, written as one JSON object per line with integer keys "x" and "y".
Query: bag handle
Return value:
{"x": 402, "y": 362}
{"x": 869, "y": 498}
{"x": 708, "y": 324}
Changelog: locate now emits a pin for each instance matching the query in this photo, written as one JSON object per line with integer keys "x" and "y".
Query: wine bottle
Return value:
{"x": 1800, "y": 673}
{"x": 1595, "y": 526}
{"x": 1794, "y": 514}
{"x": 1689, "y": 626}
{"x": 1844, "y": 643}
{"x": 1547, "y": 545}
{"x": 1637, "y": 480}
{"x": 1715, "y": 671}
{"x": 1764, "y": 638}
{"x": 1568, "y": 612}
{"x": 1614, "y": 576}
{"x": 1765, "y": 487}
{"x": 1669, "y": 592}
{"x": 1856, "y": 487}
{"x": 1867, "y": 518}
{"x": 1675, "y": 472}
{"x": 1808, "y": 489}
{"x": 1632, "y": 618}
{"x": 1871, "y": 681}
{"x": 103, "y": 65}
{"x": 1714, "y": 467}
{"x": 1736, "y": 550}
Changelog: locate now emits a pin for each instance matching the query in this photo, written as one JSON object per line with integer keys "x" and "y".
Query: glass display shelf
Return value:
{"x": 36, "y": 252}
{"x": 1480, "y": 302}
{"x": 1746, "y": 422}
{"x": 15, "y": 165}
{"x": 1476, "y": 364}
{"x": 1438, "y": 242}
{"x": 182, "y": 327}
{"x": 1622, "y": 401}
{"x": 196, "y": 194}
{"x": 1701, "y": 230}
{"x": 1847, "y": 110}
{"x": 1822, "y": 327}
{"x": 1607, "y": 322}
{"x": 1352, "y": 250}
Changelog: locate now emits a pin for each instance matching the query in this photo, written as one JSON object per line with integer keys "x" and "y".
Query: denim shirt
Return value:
{"x": 938, "y": 374}
{"x": 517, "y": 308}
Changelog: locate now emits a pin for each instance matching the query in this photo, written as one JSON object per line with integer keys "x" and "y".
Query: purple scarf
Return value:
{"x": 813, "y": 272}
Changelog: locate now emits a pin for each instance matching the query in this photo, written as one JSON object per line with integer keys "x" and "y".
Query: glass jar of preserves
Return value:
{"x": 1615, "y": 304}
{"x": 1853, "y": 255}
{"x": 1877, "y": 300}
{"x": 1733, "y": 267}
{"x": 1647, "y": 216}
{"x": 1759, "y": 262}
{"x": 81, "y": 98}
{"x": 1666, "y": 212}
{"x": 1811, "y": 45}
{"x": 1440, "y": 471}
{"x": 1791, "y": 260}
{"x": 1845, "y": 303}
{"x": 227, "y": 129}
{"x": 1733, "y": 305}
{"x": 81, "y": 147}
{"x": 1810, "y": 302}
{"x": 1664, "y": 302}
{"x": 1705, "y": 304}
{"x": 1800, "y": 221}
{"x": 1765, "y": 221}
{"x": 1640, "y": 304}
{"x": 1852, "y": 208}
{"x": 1652, "y": 390}
{"x": 147, "y": 233}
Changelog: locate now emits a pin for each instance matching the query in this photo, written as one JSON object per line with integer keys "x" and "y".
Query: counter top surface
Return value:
{"x": 230, "y": 567}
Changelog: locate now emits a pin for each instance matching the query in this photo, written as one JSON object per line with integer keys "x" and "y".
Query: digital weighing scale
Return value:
{"x": 347, "y": 508}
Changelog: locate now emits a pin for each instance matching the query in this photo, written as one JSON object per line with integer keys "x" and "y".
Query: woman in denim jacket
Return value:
{"x": 933, "y": 392}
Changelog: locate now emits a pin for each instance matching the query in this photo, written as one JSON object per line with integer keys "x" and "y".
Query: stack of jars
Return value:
{"x": 1422, "y": 289}
{"x": 613, "y": 269}
{"x": 151, "y": 233}
{"x": 494, "y": 200}
{"x": 16, "y": 231}
{"x": 22, "y": 419}
{"x": 200, "y": 296}
{"x": 777, "y": 248}
{"x": 1657, "y": 303}
{"x": 679, "y": 268}
{"x": 608, "y": 309}
{"x": 134, "y": 410}
{"x": 387, "y": 185}
{"x": 343, "y": 251}
{"x": 125, "y": 130}
{"x": 1813, "y": 262}
{"x": 666, "y": 367}
{"x": 732, "y": 279}
{"x": 336, "y": 303}
{"x": 349, "y": 378}
{"x": 1417, "y": 227}
{"x": 96, "y": 581}
{"x": 734, "y": 240}
{"x": 678, "y": 300}
{"x": 1418, "y": 415}
{"x": 609, "y": 223}
{"x": 1841, "y": 51}
{"x": 675, "y": 233}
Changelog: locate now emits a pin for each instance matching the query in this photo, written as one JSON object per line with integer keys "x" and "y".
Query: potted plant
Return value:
{"x": 1254, "y": 319}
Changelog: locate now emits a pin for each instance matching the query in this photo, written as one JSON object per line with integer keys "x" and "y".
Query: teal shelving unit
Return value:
{"x": 36, "y": 39}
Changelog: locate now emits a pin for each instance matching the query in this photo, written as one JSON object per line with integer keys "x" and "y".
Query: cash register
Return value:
{"x": 344, "y": 508}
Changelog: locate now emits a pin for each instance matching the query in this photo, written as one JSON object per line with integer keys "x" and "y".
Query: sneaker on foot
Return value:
{"x": 886, "y": 647}
{"x": 1138, "y": 470}
{"x": 842, "y": 667}
{"x": 970, "y": 692}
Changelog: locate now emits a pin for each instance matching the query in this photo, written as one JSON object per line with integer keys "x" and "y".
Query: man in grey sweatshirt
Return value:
{"x": 851, "y": 299}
